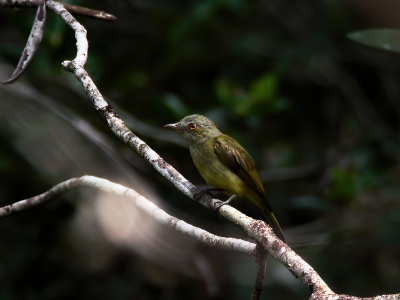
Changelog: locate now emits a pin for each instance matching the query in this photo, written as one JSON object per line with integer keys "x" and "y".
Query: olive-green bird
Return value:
{"x": 224, "y": 164}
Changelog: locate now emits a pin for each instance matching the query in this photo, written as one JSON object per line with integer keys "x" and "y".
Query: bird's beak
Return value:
{"x": 172, "y": 126}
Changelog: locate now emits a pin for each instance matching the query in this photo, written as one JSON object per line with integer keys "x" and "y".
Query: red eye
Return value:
{"x": 192, "y": 126}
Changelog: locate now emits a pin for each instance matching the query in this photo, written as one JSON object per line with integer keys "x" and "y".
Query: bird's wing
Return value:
{"x": 233, "y": 155}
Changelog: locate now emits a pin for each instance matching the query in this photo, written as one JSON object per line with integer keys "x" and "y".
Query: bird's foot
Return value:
{"x": 197, "y": 195}
{"x": 222, "y": 203}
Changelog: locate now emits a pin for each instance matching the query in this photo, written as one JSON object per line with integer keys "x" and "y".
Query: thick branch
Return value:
{"x": 323, "y": 296}
{"x": 263, "y": 234}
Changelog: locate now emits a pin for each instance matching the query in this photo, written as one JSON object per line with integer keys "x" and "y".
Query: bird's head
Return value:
{"x": 195, "y": 128}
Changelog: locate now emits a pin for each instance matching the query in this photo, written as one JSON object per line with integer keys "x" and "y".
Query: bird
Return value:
{"x": 224, "y": 164}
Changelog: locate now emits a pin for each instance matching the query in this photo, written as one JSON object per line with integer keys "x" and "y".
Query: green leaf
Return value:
{"x": 343, "y": 188}
{"x": 264, "y": 88}
{"x": 384, "y": 39}
{"x": 261, "y": 97}
{"x": 176, "y": 105}
{"x": 234, "y": 97}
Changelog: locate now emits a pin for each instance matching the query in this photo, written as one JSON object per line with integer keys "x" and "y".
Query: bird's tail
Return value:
{"x": 270, "y": 218}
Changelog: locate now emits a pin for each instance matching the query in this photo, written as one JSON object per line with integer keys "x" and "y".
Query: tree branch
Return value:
{"x": 90, "y": 13}
{"x": 144, "y": 204}
{"x": 32, "y": 45}
{"x": 261, "y": 259}
{"x": 263, "y": 234}
{"x": 37, "y": 31}
{"x": 82, "y": 44}
{"x": 74, "y": 9}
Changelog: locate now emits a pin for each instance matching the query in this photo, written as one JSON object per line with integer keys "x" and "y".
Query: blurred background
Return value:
{"x": 319, "y": 113}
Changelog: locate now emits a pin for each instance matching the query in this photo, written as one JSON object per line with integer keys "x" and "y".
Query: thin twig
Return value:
{"x": 38, "y": 27}
{"x": 82, "y": 44}
{"x": 74, "y": 9}
{"x": 90, "y": 13}
{"x": 261, "y": 256}
{"x": 33, "y": 43}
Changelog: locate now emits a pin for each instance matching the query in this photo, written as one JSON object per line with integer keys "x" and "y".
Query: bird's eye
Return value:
{"x": 192, "y": 126}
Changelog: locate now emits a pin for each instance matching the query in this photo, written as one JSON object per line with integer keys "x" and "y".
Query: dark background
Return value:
{"x": 318, "y": 112}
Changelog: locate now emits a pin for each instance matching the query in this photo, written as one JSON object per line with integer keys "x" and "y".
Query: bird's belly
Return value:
{"x": 216, "y": 174}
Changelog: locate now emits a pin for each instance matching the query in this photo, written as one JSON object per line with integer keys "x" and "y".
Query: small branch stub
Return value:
{"x": 32, "y": 44}
{"x": 38, "y": 27}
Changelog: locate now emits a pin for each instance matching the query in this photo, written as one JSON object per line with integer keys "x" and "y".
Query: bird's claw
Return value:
{"x": 218, "y": 205}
